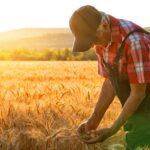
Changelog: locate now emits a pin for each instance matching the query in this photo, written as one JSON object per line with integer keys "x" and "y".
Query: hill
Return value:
{"x": 36, "y": 38}
{"x": 147, "y": 28}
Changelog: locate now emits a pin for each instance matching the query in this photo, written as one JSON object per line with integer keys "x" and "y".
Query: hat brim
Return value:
{"x": 82, "y": 44}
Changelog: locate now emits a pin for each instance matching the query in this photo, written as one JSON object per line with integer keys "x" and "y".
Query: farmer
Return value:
{"x": 123, "y": 51}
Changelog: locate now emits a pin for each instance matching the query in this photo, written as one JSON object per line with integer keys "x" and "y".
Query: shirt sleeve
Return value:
{"x": 138, "y": 63}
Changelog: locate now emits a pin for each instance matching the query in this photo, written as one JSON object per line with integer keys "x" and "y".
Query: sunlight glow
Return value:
{"x": 55, "y": 13}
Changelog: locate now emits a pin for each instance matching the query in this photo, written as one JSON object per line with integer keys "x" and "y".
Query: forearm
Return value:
{"x": 131, "y": 105}
{"x": 107, "y": 95}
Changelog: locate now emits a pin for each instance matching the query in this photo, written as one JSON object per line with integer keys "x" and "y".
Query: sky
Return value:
{"x": 16, "y": 14}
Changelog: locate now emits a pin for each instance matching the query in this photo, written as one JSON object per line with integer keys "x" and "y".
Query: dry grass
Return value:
{"x": 42, "y": 104}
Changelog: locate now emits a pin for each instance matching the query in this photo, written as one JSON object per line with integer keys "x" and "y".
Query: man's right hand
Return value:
{"x": 83, "y": 128}
{"x": 90, "y": 124}
{"x": 83, "y": 131}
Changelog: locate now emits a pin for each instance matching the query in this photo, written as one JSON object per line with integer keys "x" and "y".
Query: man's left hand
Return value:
{"x": 98, "y": 136}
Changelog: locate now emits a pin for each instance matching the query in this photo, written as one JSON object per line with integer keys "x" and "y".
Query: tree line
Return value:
{"x": 46, "y": 54}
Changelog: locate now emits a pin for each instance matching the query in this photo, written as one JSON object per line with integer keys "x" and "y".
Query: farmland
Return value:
{"x": 42, "y": 104}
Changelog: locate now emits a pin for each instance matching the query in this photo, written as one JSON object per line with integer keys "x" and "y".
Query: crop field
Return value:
{"x": 43, "y": 103}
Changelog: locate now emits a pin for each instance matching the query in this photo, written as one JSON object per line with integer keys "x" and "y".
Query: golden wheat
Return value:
{"x": 42, "y": 104}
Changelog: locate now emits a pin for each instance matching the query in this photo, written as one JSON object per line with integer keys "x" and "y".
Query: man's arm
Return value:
{"x": 106, "y": 97}
{"x": 137, "y": 95}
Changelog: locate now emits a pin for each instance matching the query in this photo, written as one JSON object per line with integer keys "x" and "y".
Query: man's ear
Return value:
{"x": 103, "y": 26}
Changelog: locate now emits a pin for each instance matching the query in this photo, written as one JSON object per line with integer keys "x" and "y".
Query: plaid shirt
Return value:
{"x": 135, "y": 61}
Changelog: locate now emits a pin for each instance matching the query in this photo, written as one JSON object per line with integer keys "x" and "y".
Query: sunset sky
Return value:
{"x": 56, "y": 13}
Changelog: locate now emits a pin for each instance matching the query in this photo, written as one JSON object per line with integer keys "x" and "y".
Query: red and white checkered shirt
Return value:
{"x": 135, "y": 61}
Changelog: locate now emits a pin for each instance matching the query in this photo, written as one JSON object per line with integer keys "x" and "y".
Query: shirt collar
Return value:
{"x": 115, "y": 30}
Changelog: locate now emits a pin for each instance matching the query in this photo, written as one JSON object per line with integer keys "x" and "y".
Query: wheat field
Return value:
{"x": 43, "y": 103}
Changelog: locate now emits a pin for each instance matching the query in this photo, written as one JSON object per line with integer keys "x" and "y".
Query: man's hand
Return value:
{"x": 98, "y": 135}
{"x": 83, "y": 131}
{"x": 83, "y": 128}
